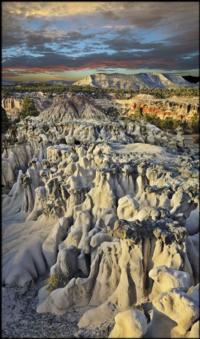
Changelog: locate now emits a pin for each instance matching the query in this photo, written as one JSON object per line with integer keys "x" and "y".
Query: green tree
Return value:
{"x": 153, "y": 119}
{"x": 138, "y": 114}
{"x": 28, "y": 108}
{"x": 5, "y": 121}
{"x": 167, "y": 123}
{"x": 194, "y": 123}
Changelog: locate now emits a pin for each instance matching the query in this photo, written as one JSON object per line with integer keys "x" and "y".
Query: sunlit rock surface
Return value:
{"x": 109, "y": 211}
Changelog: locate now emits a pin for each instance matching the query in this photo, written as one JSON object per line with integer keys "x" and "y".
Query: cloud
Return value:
{"x": 38, "y": 39}
{"x": 138, "y": 13}
{"x": 121, "y": 44}
{"x": 149, "y": 59}
{"x": 150, "y": 14}
{"x": 51, "y": 9}
{"x": 44, "y": 36}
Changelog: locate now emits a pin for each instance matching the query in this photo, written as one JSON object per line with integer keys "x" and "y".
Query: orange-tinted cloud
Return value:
{"x": 88, "y": 65}
{"x": 54, "y": 9}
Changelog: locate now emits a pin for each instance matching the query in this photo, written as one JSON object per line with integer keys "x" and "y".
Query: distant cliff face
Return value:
{"x": 12, "y": 106}
{"x": 134, "y": 82}
{"x": 174, "y": 107}
{"x": 177, "y": 108}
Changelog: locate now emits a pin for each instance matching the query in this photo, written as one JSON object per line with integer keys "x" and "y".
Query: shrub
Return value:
{"x": 5, "y": 121}
{"x": 196, "y": 139}
{"x": 28, "y": 108}
{"x": 56, "y": 281}
{"x": 167, "y": 123}
{"x": 138, "y": 113}
{"x": 153, "y": 119}
{"x": 194, "y": 123}
{"x": 53, "y": 282}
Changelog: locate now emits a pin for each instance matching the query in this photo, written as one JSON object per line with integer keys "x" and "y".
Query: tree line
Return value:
{"x": 50, "y": 89}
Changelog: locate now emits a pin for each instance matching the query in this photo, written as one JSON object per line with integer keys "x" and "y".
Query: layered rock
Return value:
{"x": 176, "y": 107}
{"x": 72, "y": 107}
{"x": 134, "y": 82}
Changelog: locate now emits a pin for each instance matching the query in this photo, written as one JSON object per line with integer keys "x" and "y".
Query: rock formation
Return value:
{"x": 175, "y": 107}
{"x": 135, "y": 81}
{"x": 113, "y": 225}
{"x": 72, "y": 107}
{"x": 12, "y": 106}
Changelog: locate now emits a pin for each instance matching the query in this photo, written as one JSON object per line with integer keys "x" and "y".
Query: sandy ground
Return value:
{"x": 140, "y": 148}
{"x": 20, "y": 319}
{"x": 157, "y": 154}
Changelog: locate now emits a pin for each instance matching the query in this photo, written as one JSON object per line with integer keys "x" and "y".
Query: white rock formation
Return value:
{"x": 108, "y": 221}
{"x": 129, "y": 324}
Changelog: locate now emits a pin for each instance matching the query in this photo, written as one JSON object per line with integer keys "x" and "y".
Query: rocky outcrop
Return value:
{"x": 129, "y": 324}
{"x": 71, "y": 107}
{"x": 163, "y": 318}
{"x": 35, "y": 135}
{"x": 93, "y": 190}
{"x": 105, "y": 210}
{"x": 12, "y": 106}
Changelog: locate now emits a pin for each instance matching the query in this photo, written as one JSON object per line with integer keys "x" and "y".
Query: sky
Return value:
{"x": 70, "y": 40}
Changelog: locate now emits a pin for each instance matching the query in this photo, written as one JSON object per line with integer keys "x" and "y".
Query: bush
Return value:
{"x": 138, "y": 113}
{"x": 168, "y": 123}
{"x": 194, "y": 123}
{"x": 53, "y": 282}
{"x": 5, "y": 121}
{"x": 153, "y": 119}
{"x": 28, "y": 108}
{"x": 56, "y": 281}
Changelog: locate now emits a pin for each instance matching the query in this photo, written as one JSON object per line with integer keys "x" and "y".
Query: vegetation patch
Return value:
{"x": 28, "y": 108}
{"x": 56, "y": 281}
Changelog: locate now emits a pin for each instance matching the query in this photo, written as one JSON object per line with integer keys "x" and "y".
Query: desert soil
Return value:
{"x": 20, "y": 319}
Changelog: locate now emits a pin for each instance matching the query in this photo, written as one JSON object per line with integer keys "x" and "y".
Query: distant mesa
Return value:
{"x": 135, "y": 81}
{"x": 122, "y": 81}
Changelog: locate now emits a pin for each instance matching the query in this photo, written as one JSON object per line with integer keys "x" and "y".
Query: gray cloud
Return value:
{"x": 120, "y": 44}
{"x": 122, "y": 59}
{"x": 178, "y": 19}
{"x": 150, "y": 14}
